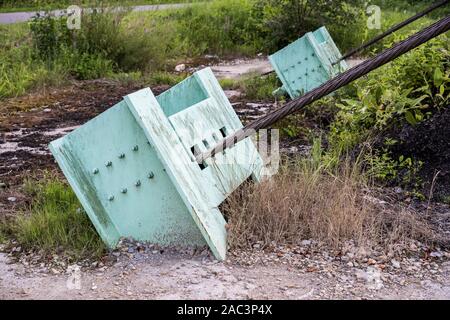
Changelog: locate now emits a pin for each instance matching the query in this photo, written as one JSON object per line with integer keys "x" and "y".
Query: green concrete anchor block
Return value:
{"x": 307, "y": 63}
{"x": 133, "y": 169}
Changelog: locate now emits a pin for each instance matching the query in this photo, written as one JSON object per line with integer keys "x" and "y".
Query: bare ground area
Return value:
{"x": 174, "y": 275}
{"x": 307, "y": 271}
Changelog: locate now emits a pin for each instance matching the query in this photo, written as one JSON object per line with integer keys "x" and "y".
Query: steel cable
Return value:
{"x": 332, "y": 85}
{"x": 392, "y": 30}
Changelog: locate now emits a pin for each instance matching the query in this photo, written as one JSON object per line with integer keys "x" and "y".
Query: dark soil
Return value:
{"x": 29, "y": 123}
{"x": 429, "y": 141}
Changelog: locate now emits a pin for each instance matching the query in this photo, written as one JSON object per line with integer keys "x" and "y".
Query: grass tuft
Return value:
{"x": 164, "y": 78}
{"x": 307, "y": 201}
{"x": 54, "y": 222}
{"x": 256, "y": 87}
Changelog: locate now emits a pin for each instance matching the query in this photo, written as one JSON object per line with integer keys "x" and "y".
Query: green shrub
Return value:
{"x": 90, "y": 66}
{"x": 106, "y": 35}
{"x": 384, "y": 167}
{"x": 408, "y": 90}
{"x": 49, "y": 35}
{"x": 281, "y": 22}
{"x": 390, "y": 16}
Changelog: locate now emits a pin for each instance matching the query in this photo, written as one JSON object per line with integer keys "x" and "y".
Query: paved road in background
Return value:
{"x": 14, "y": 17}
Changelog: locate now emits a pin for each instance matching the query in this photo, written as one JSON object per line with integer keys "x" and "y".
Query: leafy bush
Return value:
{"x": 49, "y": 35}
{"x": 404, "y": 171}
{"x": 374, "y": 110}
{"x": 399, "y": 93}
{"x": 281, "y": 22}
{"x": 90, "y": 66}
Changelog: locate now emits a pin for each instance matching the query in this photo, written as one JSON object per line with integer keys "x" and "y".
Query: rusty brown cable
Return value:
{"x": 332, "y": 85}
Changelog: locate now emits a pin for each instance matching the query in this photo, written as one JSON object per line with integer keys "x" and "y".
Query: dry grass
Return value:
{"x": 304, "y": 201}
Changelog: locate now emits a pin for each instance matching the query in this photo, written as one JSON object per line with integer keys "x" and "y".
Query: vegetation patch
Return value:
{"x": 305, "y": 200}
{"x": 54, "y": 222}
{"x": 397, "y": 96}
{"x": 253, "y": 86}
{"x": 45, "y": 53}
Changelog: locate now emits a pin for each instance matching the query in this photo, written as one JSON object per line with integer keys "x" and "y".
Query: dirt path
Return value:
{"x": 235, "y": 69}
{"x": 180, "y": 276}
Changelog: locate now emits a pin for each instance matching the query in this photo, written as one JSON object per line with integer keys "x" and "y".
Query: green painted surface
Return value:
{"x": 151, "y": 211}
{"x": 134, "y": 172}
{"x": 181, "y": 96}
{"x": 199, "y": 126}
{"x": 307, "y": 63}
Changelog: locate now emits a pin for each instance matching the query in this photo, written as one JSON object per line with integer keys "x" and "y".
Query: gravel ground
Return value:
{"x": 306, "y": 271}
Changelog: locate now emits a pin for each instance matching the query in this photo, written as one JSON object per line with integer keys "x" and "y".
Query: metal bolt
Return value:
{"x": 122, "y": 155}
{"x": 95, "y": 171}
{"x": 108, "y": 164}
{"x": 111, "y": 198}
{"x": 124, "y": 190}
{"x": 151, "y": 175}
{"x": 138, "y": 183}
{"x": 135, "y": 148}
